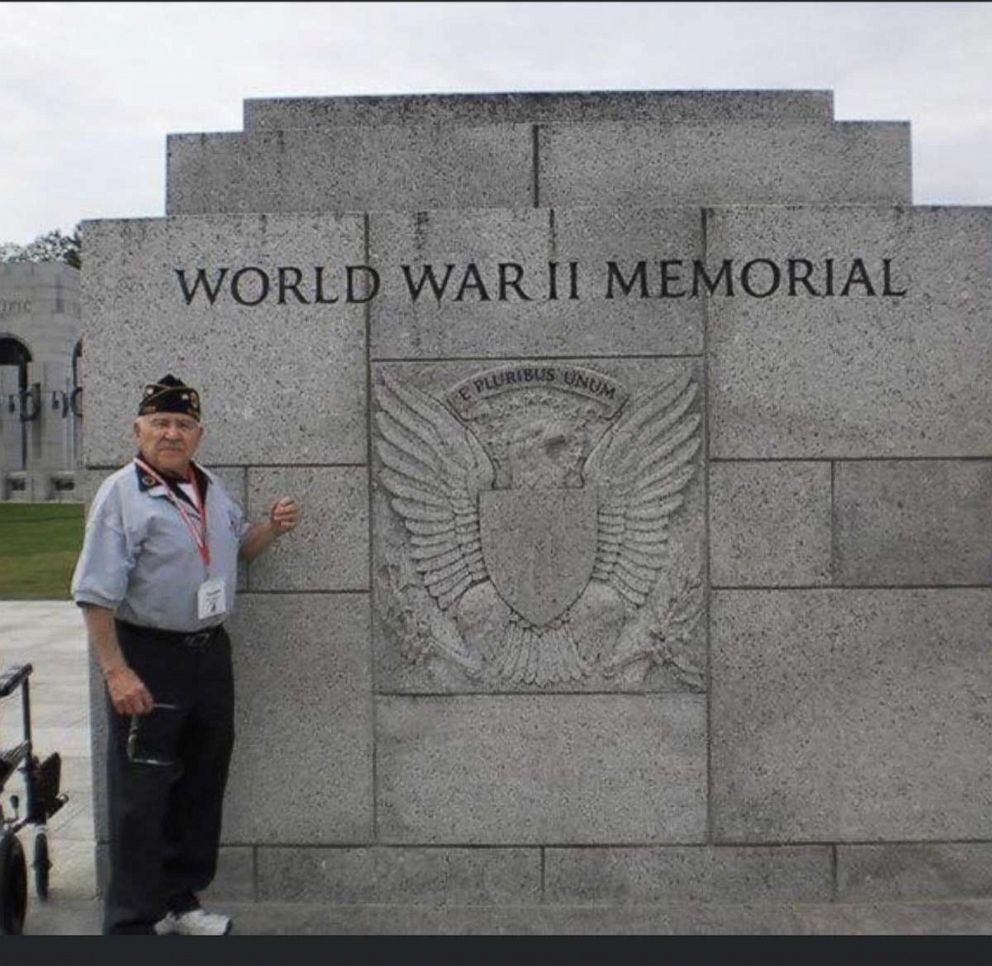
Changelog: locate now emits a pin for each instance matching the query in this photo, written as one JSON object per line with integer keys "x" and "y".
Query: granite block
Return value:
{"x": 670, "y": 919}
{"x": 769, "y": 524}
{"x": 538, "y": 612}
{"x": 473, "y": 320}
{"x": 562, "y": 769}
{"x": 233, "y": 882}
{"x": 234, "y": 479}
{"x": 302, "y": 766}
{"x": 522, "y": 108}
{"x": 757, "y": 163}
{"x": 913, "y": 522}
{"x": 235, "y": 878}
{"x": 391, "y": 167}
{"x": 862, "y": 375}
{"x": 688, "y": 874}
{"x": 850, "y": 715}
{"x": 101, "y": 861}
{"x": 400, "y": 875}
{"x": 320, "y": 642}
{"x": 329, "y": 548}
{"x": 256, "y": 366}
{"x": 98, "y": 752}
{"x": 929, "y": 870}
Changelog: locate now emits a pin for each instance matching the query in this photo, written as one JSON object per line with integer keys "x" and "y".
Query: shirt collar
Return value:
{"x": 147, "y": 483}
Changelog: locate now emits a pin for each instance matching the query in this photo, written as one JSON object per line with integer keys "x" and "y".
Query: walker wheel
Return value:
{"x": 41, "y": 865}
{"x": 13, "y": 885}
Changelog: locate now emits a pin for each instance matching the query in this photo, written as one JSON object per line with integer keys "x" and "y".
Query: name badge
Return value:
{"x": 211, "y": 598}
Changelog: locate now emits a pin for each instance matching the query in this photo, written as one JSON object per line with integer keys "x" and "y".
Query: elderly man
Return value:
{"x": 156, "y": 578}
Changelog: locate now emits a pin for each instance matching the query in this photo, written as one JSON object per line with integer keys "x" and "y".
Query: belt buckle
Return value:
{"x": 199, "y": 639}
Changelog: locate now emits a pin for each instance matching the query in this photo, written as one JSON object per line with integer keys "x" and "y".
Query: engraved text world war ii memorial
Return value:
{"x": 644, "y": 445}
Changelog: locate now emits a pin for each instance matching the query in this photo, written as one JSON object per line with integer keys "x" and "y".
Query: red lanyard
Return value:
{"x": 198, "y": 530}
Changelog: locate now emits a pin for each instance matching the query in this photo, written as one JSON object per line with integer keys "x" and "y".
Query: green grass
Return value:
{"x": 39, "y": 544}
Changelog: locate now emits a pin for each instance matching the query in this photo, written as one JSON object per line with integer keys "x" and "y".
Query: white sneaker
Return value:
{"x": 195, "y": 922}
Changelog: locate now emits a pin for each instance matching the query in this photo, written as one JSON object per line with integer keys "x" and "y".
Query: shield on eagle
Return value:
{"x": 539, "y": 547}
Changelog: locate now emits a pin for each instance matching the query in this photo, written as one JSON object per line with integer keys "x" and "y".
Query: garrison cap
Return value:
{"x": 169, "y": 395}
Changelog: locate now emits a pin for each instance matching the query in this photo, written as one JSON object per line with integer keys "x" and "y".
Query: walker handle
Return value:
{"x": 10, "y": 679}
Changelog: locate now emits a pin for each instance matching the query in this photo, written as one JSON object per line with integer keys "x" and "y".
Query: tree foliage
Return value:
{"x": 53, "y": 246}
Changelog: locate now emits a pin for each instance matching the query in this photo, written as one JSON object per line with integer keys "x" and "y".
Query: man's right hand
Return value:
{"x": 128, "y": 693}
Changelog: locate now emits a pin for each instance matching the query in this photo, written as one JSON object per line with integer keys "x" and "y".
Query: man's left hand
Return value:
{"x": 284, "y": 515}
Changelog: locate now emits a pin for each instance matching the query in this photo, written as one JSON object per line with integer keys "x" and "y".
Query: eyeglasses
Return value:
{"x": 151, "y": 738}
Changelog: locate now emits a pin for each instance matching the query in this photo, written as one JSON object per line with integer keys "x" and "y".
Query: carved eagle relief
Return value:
{"x": 545, "y": 546}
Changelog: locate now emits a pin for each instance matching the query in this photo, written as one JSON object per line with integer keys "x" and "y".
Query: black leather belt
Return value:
{"x": 178, "y": 638}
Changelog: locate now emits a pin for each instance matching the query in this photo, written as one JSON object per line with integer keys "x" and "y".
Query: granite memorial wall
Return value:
{"x": 644, "y": 443}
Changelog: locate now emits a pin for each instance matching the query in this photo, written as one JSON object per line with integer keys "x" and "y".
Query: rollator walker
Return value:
{"x": 41, "y": 784}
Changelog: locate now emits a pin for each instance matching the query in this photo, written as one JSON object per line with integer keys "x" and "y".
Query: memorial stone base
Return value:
{"x": 644, "y": 446}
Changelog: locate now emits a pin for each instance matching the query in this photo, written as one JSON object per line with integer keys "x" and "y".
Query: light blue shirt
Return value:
{"x": 139, "y": 557}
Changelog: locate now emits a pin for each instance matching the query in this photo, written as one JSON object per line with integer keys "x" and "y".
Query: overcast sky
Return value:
{"x": 88, "y": 91}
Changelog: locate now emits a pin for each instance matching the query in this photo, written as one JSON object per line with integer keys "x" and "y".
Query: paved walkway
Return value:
{"x": 49, "y": 635}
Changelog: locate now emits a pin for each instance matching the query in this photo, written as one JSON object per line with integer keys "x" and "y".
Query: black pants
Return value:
{"x": 165, "y": 818}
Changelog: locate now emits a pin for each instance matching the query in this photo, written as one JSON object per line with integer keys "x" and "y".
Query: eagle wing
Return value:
{"x": 433, "y": 470}
{"x": 641, "y": 466}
